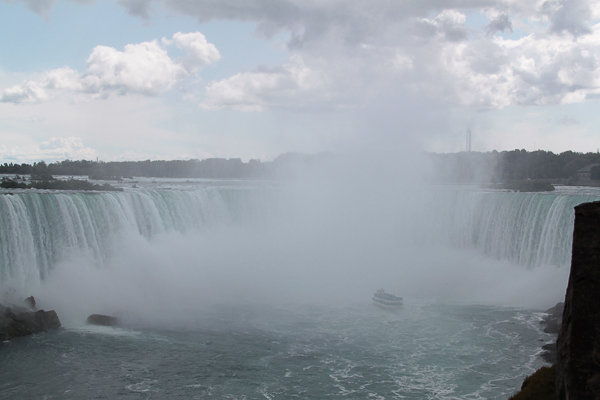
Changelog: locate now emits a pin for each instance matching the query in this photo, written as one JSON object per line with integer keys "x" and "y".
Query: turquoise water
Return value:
{"x": 422, "y": 351}
{"x": 237, "y": 290}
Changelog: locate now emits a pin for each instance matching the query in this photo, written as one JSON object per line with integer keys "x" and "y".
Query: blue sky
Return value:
{"x": 178, "y": 79}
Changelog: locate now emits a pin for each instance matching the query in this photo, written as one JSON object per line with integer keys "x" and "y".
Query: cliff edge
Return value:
{"x": 578, "y": 344}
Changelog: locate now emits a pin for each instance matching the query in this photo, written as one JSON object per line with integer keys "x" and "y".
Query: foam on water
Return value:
{"x": 101, "y": 330}
{"x": 251, "y": 291}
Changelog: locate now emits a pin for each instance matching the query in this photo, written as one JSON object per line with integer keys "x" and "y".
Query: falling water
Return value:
{"x": 177, "y": 260}
{"x": 39, "y": 229}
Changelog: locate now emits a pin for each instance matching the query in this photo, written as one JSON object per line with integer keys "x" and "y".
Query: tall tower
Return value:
{"x": 469, "y": 140}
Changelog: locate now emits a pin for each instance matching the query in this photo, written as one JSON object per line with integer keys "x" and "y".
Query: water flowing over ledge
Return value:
{"x": 529, "y": 229}
{"x": 39, "y": 229}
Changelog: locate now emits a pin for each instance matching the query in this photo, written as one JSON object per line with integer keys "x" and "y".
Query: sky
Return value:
{"x": 253, "y": 79}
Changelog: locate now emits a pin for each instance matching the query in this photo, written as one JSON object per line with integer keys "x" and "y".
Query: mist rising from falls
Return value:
{"x": 143, "y": 247}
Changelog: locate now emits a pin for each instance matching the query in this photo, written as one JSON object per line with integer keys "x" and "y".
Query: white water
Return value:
{"x": 244, "y": 290}
{"x": 529, "y": 229}
{"x": 203, "y": 240}
{"x": 41, "y": 229}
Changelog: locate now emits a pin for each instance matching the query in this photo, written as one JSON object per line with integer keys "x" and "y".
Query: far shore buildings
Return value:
{"x": 584, "y": 173}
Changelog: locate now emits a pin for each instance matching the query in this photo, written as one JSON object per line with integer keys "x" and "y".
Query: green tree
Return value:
{"x": 595, "y": 173}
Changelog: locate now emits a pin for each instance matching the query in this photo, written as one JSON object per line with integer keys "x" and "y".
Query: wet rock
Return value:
{"x": 15, "y": 322}
{"x": 553, "y": 320}
{"x": 104, "y": 320}
{"x": 578, "y": 346}
{"x": 549, "y": 353}
{"x": 30, "y": 302}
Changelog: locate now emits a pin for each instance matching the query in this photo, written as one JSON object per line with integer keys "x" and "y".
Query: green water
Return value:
{"x": 422, "y": 351}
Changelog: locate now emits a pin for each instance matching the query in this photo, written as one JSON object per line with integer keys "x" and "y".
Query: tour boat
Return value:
{"x": 386, "y": 300}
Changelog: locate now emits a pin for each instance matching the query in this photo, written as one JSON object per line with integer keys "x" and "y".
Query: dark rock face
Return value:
{"x": 552, "y": 323}
{"x": 104, "y": 320}
{"x": 15, "y": 322}
{"x": 553, "y": 320}
{"x": 549, "y": 353}
{"x": 578, "y": 345}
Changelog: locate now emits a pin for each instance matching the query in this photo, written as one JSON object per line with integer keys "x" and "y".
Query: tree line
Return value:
{"x": 209, "y": 168}
{"x": 512, "y": 165}
{"x": 459, "y": 167}
{"x": 217, "y": 168}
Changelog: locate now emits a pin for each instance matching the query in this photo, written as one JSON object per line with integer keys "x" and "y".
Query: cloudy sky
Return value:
{"x": 180, "y": 79}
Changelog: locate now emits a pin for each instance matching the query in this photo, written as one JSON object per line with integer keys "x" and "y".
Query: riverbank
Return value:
{"x": 55, "y": 184}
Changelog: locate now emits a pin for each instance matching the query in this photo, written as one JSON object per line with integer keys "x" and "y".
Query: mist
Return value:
{"x": 337, "y": 232}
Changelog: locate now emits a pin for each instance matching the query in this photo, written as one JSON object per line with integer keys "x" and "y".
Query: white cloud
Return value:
{"x": 553, "y": 69}
{"x": 201, "y": 53}
{"x": 70, "y": 147}
{"x": 344, "y": 53}
{"x": 144, "y": 69}
{"x": 450, "y": 24}
{"x": 294, "y": 84}
{"x": 42, "y": 88}
{"x": 52, "y": 150}
{"x": 116, "y": 128}
{"x": 438, "y": 58}
{"x": 500, "y": 23}
{"x": 571, "y": 16}
{"x": 533, "y": 70}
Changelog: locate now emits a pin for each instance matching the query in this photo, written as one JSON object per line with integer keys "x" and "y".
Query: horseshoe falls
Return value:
{"x": 240, "y": 290}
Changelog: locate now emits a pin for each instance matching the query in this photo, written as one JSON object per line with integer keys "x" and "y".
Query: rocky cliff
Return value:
{"x": 578, "y": 345}
{"x": 552, "y": 323}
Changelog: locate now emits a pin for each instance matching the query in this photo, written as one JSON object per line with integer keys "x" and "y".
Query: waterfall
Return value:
{"x": 39, "y": 229}
{"x": 529, "y": 229}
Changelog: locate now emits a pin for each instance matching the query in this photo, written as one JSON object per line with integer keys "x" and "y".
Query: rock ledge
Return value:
{"x": 103, "y": 320}
{"x": 20, "y": 321}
